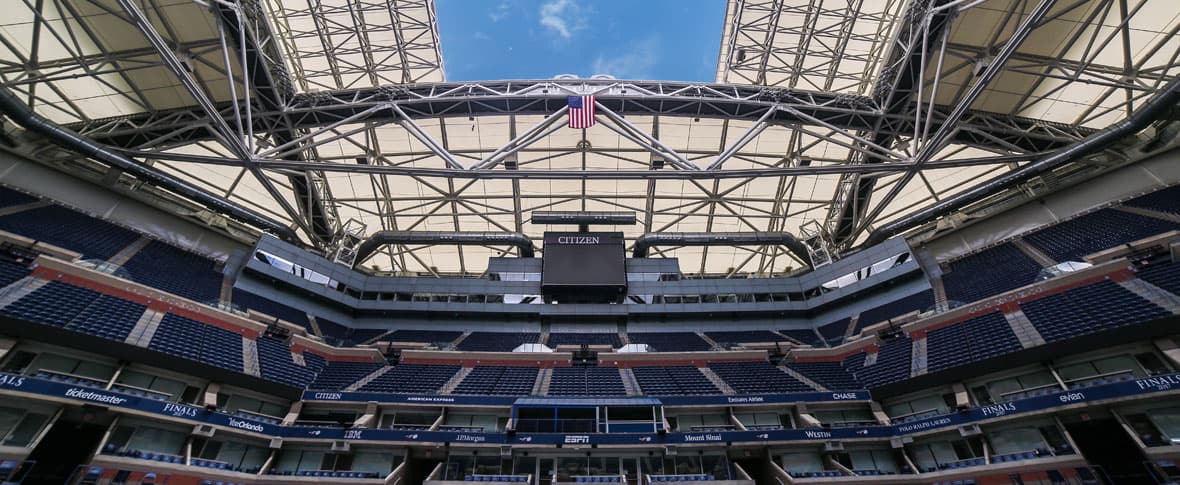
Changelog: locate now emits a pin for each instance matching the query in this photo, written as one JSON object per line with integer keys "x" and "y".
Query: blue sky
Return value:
{"x": 538, "y": 39}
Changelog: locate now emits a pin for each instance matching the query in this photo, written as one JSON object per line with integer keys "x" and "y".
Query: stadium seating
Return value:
{"x": 989, "y": 272}
{"x": 338, "y": 375}
{"x": 833, "y": 333}
{"x": 1088, "y": 309}
{"x": 670, "y": 341}
{"x": 893, "y": 363}
{"x": 831, "y": 375}
{"x": 193, "y": 340}
{"x": 805, "y": 335}
{"x": 11, "y": 271}
{"x": 108, "y": 317}
{"x": 56, "y": 225}
{"x": 973, "y": 340}
{"x": 248, "y": 300}
{"x": 176, "y": 271}
{"x": 429, "y": 336}
{"x": 496, "y": 478}
{"x": 332, "y": 332}
{"x": 9, "y": 197}
{"x": 412, "y": 379}
{"x": 694, "y": 477}
{"x": 1163, "y": 274}
{"x": 586, "y": 381}
{"x": 277, "y": 364}
{"x": 498, "y": 381}
{"x": 1166, "y": 201}
{"x": 362, "y": 335}
{"x": 611, "y": 339}
{"x": 55, "y": 304}
{"x": 757, "y": 378}
{"x": 496, "y": 341}
{"x": 918, "y": 301}
{"x": 744, "y": 336}
{"x": 1093, "y": 232}
{"x": 676, "y": 380}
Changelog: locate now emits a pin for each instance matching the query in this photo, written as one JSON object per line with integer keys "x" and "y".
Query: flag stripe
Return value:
{"x": 581, "y": 112}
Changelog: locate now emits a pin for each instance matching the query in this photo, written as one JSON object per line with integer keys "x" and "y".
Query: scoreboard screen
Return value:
{"x": 589, "y": 263}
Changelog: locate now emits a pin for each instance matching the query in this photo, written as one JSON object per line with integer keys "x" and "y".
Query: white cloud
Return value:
{"x": 499, "y": 12}
{"x": 562, "y": 17}
{"x": 636, "y": 63}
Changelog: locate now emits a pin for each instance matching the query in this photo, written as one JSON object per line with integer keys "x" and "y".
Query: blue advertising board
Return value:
{"x": 87, "y": 395}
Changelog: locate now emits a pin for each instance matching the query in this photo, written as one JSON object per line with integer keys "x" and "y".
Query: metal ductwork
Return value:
{"x": 21, "y": 114}
{"x": 1154, "y": 109}
{"x": 384, "y": 238}
{"x": 647, "y": 241}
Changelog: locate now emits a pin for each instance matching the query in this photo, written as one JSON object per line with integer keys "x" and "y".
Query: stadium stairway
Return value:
{"x": 378, "y": 372}
{"x": 20, "y": 289}
{"x": 145, "y": 328}
{"x": 455, "y": 343}
{"x": 717, "y": 381}
{"x": 128, "y": 251}
{"x": 1143, "y": 211}
{"x": 13, "y": 209}
{"x": 1154, "y": 294}
{"x": 455, "y": 380}
{"x": 918, "y": 363}
{"x": 629, "y": 382}
{"x": 802, "y": 378}
{"x": 544, "y": 376}
{"x": 1025, "y": 332}
{"x": 250, "y": 363}
{"x": 1032, "y": 252}
{"x": 706, "y": 338}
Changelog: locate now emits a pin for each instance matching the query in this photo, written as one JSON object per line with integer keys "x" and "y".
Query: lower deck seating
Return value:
{"x": 677, "y": 380}
{"x": 277, "y": 364}
{"x": 1088, "y": 309}
{"x": 670, "y": 341}
{"x": 412, "y": 379}
{"x": 831, "y": 375}
{"x": 1163, "y": 274}
{"x": 108, "y": 317}
{"x": 611, "y": 339}
{"x": 496, "y": 341}
{"x": 973, "y": 340}
{"x": 892, "y": 365}
{"x": 56, "y": 303}
{"x": 176, "y": 271}
{"x": 1093, "y": 232}
{"x": 193, "y": 340}
{"x": 62, "y": 227}
{"x": 498, "y": 381}
{"x": 757, "y": 378}
{"x": 744, "y": 336}
{"x": 338, "y": 375}
{"x": 586, "y": 381}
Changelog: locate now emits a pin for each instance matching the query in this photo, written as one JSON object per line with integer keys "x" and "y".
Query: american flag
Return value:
{"x": 581, "y": 111}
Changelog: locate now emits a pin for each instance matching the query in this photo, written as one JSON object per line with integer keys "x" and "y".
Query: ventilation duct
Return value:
{"x": 384, "y": 238}
{"x": 21, "y": 114}
{"x": 647, "y": 241}
{"x": 1154, "y": 109}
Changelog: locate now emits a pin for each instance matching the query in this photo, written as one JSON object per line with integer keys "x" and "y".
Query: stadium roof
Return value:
{"x": 850, "y": 113}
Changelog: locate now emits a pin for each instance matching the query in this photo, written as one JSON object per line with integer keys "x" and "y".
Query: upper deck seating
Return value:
{"x": 670, "y": 341}
{"x": 803, "y": 335}
{"x": 1163, "y": 274}
{"x": 277, "y": 364}
{"x": 744, "y": 336}
{"x": 428, "y": 336}
{"x": 496, "y": 341}
{"x": 757, "y": 378}
{"x": 176, "y": 271}
{"x": 989, "y": 272}
{"x": 1093, "y": 232}
{"x": 1088, "y": 309}
{"x": 833, "y": 332}
{"x": 9, "y": 198}
{"x": 920, "y": 301}
{"x": 676, "y": 380}
{"x": 586, "y": 381}
{"x": 12, "y": 271}
{"x": 62, "y": 227}
{"x": 245, "y": 299}
{"x": 1164, "y": 200}
{"x": 494, "y": 380}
